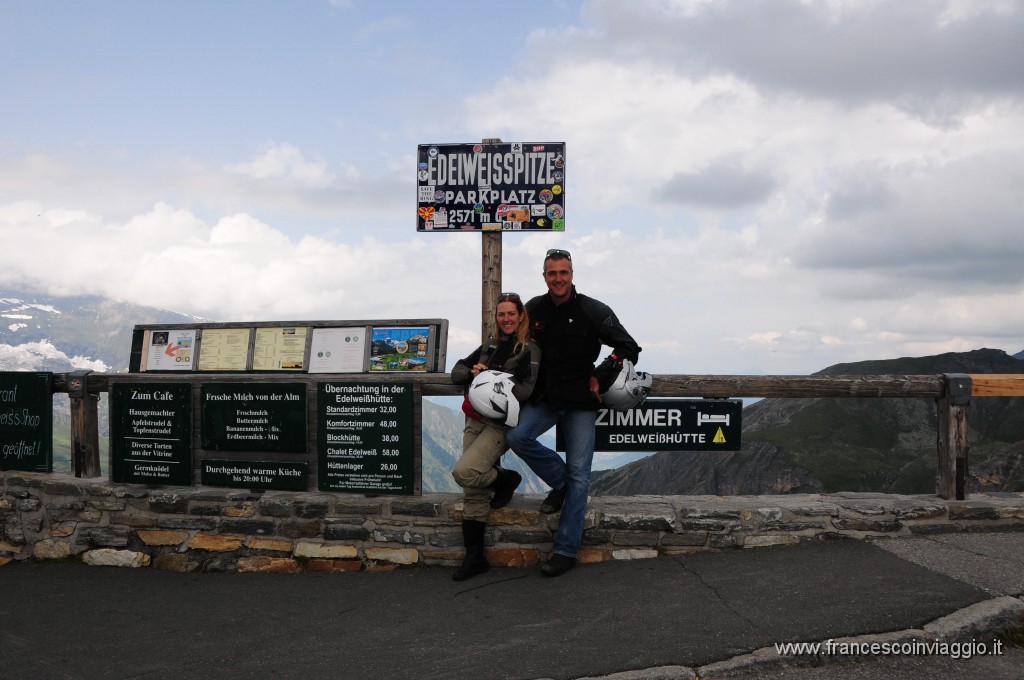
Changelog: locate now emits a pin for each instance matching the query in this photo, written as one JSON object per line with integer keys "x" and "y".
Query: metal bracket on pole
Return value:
{"x": 76, "y": 383}
{"x": 958, "y": 388}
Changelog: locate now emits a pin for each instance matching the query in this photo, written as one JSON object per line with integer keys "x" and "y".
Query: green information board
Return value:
{"x": 248, "y": 474}
{"x": 26, "y": 421}
{"x": 151, "y": 433}
{"x": 253, "y": 416}
{"x": 365, "y": 437}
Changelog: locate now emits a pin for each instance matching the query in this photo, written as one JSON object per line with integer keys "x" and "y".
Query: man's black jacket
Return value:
{"x": 570, "y": 338}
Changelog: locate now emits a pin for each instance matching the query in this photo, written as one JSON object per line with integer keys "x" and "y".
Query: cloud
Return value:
{"x": 954, "y": 226}
{"x": 285, "y": 162}
{"x": 720, "y": 185}
{"x": 765, "y": 338}
{"x": 861, "y": 52}
{"x": 280, "y": 180}
{"x": 858, "y": 193}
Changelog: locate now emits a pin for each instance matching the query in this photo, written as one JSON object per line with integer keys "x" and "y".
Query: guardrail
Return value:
{"x": 951, "y": 391}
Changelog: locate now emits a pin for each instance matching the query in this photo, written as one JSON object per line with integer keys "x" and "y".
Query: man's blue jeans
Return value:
{"x": 578, "y": 433}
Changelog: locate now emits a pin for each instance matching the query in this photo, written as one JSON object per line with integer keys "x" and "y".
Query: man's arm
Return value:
{"x": 613, "y": 334}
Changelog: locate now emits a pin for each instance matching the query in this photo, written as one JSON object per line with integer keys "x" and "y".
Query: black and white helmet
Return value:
{"x": 628, "y": 390}
{"x": 490, "y": 393}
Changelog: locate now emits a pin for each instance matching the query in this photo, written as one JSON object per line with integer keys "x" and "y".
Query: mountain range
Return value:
{"x": 849, "y": 444}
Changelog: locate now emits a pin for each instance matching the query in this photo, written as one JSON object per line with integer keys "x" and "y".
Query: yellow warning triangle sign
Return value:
{"x": 719, "y": 437}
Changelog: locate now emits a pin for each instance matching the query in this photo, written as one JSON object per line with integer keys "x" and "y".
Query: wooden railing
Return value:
{"x": 951, "y": 391}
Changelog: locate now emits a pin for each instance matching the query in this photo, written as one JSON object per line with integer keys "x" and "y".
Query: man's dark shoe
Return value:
{"x": 553, "y": 503}
{"x": 557, "y": 565}
{"x": 504, "y": 487}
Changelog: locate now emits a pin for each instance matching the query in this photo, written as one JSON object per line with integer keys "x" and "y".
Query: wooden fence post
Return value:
{"x": 953, "y": 445}
{"x": 490, "y": 275}
{"x": 491, "y": 287}
{"x": 85, "y": 435}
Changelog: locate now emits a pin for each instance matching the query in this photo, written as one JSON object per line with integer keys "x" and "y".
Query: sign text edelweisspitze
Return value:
{"x": 477, "y": 187}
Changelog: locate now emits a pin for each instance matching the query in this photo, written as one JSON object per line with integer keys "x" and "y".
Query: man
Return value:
{"x": 570, "y": 329}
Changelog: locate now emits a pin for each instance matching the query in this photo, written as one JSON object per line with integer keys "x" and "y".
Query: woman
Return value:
{"x": 483, "y": 439}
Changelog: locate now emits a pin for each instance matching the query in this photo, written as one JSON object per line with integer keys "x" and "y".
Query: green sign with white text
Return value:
{"x": 26, "y": 421}
{"x": 151, "y": 433}
{"x": 250, "y": 474}
{"x": 253, "y": 416}
{"x": 365, "y": 437}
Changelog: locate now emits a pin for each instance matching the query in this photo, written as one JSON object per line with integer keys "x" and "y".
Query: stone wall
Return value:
{"x": 55, "y": 517}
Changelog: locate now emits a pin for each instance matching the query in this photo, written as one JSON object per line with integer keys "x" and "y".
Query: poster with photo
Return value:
{"x": 279, "y": 349}
{"x": 399, "y": 348}
{"x": 170, "y": 350}
{"x": 337, "y": 350}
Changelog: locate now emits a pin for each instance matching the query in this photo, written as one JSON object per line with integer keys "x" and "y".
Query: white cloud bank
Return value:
{"x": 43, "y": 356}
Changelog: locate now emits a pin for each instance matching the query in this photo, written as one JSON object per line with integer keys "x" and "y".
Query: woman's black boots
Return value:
{"x": 475, "y": 561}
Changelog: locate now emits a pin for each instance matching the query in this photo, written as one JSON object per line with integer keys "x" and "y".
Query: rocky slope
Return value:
{"x": 757, "y": 468}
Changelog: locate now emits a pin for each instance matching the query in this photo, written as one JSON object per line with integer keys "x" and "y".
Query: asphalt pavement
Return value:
{"x": 708, "y": 615}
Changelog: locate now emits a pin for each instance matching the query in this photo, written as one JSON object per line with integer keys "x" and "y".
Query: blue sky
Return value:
{"x": 755, "y": 187}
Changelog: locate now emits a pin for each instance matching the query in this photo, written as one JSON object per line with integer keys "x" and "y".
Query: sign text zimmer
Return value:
{"x": 671, "y": 425}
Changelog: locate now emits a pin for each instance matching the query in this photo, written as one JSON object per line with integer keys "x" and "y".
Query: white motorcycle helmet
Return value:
{"x": 628, "y": 390}
{"x": 490, "y": 393}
